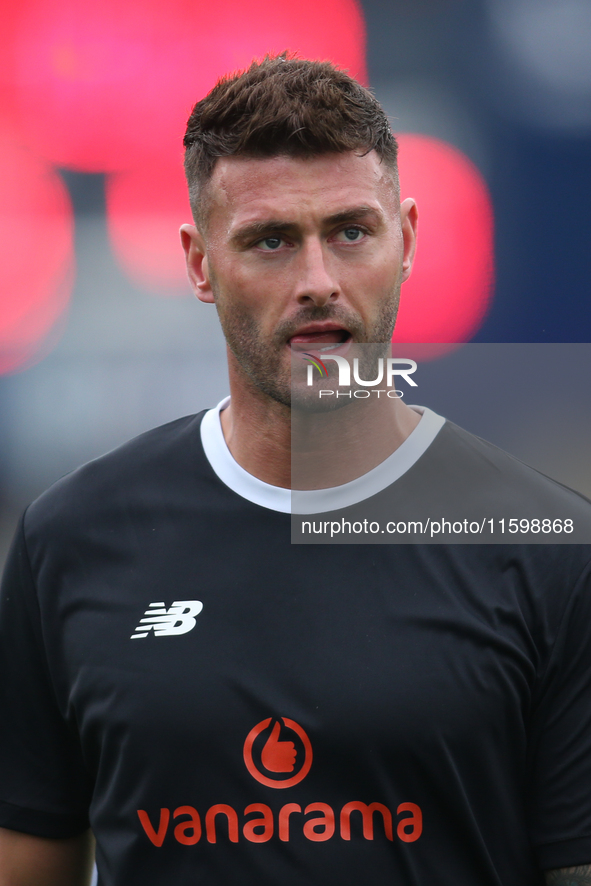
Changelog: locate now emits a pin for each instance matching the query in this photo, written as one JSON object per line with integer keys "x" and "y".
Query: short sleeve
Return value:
{"x": 44, "y": 787}
{"x": 560, "y": 745}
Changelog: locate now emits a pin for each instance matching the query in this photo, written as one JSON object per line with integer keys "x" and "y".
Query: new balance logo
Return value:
{"x": 179, "y": 619}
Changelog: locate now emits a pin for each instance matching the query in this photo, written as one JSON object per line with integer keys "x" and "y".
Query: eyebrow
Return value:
{"x": 277, "y": 226}
{"x": 353, "y": 214}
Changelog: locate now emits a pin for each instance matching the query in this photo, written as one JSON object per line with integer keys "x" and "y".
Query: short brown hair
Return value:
{"x": 283, "y": 105}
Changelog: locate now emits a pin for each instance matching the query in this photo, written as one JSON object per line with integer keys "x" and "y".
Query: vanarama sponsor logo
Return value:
{"x": 278, "y": 754}
{"x": 386, "y": 370}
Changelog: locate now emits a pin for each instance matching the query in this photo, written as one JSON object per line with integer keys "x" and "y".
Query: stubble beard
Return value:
{"x": 263, "y": 361}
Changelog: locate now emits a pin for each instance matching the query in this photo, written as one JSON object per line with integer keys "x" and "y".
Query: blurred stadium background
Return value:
{"x": 100, "y": 338}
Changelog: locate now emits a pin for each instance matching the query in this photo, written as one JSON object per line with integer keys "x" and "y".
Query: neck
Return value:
{"x": 302, "y": 450}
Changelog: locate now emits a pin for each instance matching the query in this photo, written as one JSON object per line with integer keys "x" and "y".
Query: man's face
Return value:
{"x": 299, "y": 252}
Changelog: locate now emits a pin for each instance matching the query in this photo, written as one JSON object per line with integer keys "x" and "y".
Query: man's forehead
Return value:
{"x": 244, "y": 186}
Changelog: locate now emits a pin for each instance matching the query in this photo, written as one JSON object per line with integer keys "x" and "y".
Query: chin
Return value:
{"x": 307, "y": 400}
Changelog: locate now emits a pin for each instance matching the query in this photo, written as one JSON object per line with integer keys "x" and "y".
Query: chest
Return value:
{"x": 398, "y": 648}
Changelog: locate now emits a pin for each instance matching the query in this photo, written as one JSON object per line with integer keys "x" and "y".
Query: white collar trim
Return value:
{"x": 317, "y": 501}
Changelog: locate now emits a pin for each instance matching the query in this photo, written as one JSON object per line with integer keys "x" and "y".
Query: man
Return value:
{"x": 223, "y": 707}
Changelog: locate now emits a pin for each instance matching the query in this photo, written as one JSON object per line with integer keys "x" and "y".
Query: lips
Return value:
{"x": 320, "y": 335}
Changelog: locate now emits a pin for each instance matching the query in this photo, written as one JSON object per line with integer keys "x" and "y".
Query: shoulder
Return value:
{"x": 485, "y": 495}
{"x": 132, "y": 475}
{"x": 480, "y": 468}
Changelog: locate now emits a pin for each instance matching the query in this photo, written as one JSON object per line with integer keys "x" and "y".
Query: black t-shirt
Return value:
{"x": 225, "y": 707}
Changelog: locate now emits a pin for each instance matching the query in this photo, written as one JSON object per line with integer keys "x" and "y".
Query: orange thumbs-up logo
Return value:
{"x": 278, "y": 756}
{"x": 280, "y": 751}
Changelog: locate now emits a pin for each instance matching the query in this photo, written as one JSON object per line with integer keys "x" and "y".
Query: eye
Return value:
{"x": 270, "y": 244}
{"x": 350, "y": 235}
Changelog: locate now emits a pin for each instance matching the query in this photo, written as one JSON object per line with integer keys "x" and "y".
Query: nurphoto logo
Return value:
{"x": 386, "y": 369}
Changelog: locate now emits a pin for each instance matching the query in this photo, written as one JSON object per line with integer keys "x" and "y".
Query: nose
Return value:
{"x": 315, "y": 284}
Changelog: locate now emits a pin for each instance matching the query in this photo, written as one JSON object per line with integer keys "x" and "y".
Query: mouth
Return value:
{"x": 320, "y": 338}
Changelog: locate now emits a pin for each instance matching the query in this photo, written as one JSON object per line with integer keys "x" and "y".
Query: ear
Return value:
{"x": 409, "y": 219}
{"x": 197, "y": 265}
